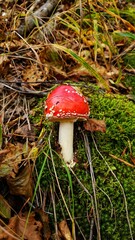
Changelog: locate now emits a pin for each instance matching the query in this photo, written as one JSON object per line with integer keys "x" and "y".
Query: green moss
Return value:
{"x": 119, "y": 140}
{"x": 128, "y": 14}
{"x": 36, "y": 113}
{"x": 129, "y": 61}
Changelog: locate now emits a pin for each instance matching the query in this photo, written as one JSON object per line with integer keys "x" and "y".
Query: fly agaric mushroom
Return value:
{"x": 65, "y": 104}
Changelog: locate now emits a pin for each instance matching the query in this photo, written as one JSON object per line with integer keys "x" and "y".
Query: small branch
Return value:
{"x": 40, "y": 14}
{"x": 91, "y": 229}
{"x": 88, "y": 153}
{"x": 21, "y": 91}
{"x": 122, "y": 160}
{"x": 127, "y": 50}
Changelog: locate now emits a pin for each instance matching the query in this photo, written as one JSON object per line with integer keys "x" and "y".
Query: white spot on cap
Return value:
{"x": 48, "y": 115}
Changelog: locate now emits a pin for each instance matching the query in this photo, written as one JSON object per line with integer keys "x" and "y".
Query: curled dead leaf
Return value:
{"x": 22, "y": 183}
{"x": 94, "y": 125}
{"x": 11, "y": 156}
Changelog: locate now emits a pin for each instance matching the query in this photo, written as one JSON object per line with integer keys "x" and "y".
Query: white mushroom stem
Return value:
{"x": 66, "y": 141}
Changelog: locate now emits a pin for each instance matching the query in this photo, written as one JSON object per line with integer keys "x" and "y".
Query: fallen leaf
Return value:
{"x": 4, "y": 151}
{"x": 29, "y": 228}
{"x": 11, "y": 156}
{"x": 23, "y": 226}
{"x": 12, "y": 45}
{"x": 25, "y": 132}
{"x": 79, "y": 71}
{"x": 45, "y": 221}
{"x": 21, "y": 184}
{"x": 4, "y": 64}
{"x": 64, "y": 229}
{"x": 94, "y": 125}
{"x": 33, "y": 75}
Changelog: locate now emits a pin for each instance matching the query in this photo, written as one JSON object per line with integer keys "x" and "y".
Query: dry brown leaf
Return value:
{"x": 32, "y": 228}
{"x": 10, "y": 159}
{"x": 3, "y": 59}
{"x": 12, "y": 45}
{"x": 64, "y": 229}
{"x": 45, "y": 221}
{"x": 4, "y": 64}
{"x": 34, "y": 75}
{"x": 22, "y": 225}
{"x": 22, "y": 184}
{"x": 24, "y": 132}
{"x": 78, "y": 71}
{"x": 4, "y": 151}
{"x": 94, "y": 125}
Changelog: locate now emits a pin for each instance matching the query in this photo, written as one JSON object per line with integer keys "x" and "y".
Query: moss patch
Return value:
{"x": 115, "y": 180}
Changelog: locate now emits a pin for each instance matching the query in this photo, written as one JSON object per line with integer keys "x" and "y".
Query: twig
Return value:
{"x": 128, "y": 49}
{"x": 88, "y": 152}
{"x": 8, "y": 231}
{"x": 54, "y": 211}
{"x": 43, "y": 12}
{"x": 28, "y": 92}
{"x": 123, "y": 161}
{"x": 91, "y": 229}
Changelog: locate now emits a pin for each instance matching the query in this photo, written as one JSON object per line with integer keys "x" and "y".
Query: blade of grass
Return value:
{"x": 84, "y": 63}
{"x": 126, "y": 34}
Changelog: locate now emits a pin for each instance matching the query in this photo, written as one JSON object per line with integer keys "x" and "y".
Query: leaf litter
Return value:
{"x": 31, "y": 64}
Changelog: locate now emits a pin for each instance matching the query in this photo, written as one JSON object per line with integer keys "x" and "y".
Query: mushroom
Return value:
{"x": 66, "y": 104}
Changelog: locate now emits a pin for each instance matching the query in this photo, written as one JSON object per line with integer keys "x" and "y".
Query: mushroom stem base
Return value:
{"x": 66, "y": 142}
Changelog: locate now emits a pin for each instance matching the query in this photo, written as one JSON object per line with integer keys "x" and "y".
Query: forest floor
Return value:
{"x": 90, "y": 45}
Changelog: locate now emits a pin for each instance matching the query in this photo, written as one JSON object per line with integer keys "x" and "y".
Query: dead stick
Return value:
{"x": 88, "y": 153}
{"x": 121, "y": 160}
{"x": 43, "y": 12}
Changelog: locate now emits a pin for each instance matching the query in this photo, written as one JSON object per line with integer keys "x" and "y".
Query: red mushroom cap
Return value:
{"x": 65, "y": 102}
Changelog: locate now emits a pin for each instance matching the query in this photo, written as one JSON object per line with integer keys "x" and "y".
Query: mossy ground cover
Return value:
{"x": 115, "y": 188}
